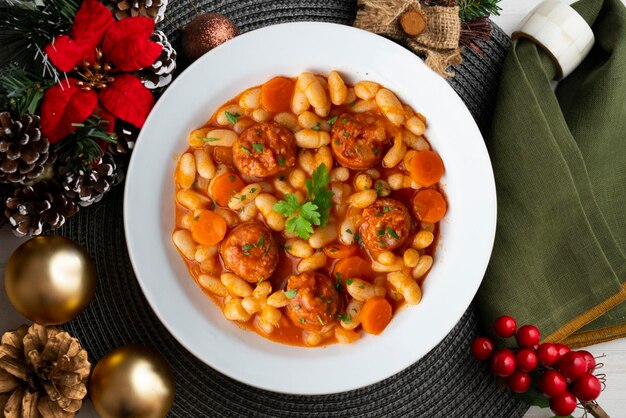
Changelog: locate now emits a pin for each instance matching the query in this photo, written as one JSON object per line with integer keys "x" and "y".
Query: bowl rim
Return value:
{"x": 133, "y": 243}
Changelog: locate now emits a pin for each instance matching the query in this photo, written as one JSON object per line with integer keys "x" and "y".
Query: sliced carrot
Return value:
{"x": 352, "y": 267}
{"x": 223, "y": 186}
{"x": 426, "y": 168}
{"x": 375, "y": 315}
{"x": 429, "y": 205}
{"x": 276, "y": 94}
{"x": 339, "y": 250}
{"x": 208, "y": 228}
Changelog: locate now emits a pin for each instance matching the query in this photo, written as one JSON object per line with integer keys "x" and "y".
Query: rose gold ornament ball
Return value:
{"x": 205, "y": 32}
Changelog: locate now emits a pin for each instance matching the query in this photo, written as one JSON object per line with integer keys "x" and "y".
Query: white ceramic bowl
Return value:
{"x": 467, "y": 231}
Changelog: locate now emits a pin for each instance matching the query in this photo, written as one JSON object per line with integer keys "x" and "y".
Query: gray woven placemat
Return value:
{"x": 445, "y": 383}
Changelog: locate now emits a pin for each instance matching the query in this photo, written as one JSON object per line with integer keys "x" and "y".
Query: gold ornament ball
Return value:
{"x": 205, "y": 32}
{"x": 132, "y": 381}
{"x": 50, "y": 280}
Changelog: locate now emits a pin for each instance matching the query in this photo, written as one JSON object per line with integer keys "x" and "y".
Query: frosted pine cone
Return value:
{"x": 38, "y": 208}
{"x": 87, "y": 186}
{"x": 43, "y": 373}
{"x": 24, "y": 152}
{"x": 126, "y": 138}
{"x": 159, "y": 74}
{"x": 154, "y": 9}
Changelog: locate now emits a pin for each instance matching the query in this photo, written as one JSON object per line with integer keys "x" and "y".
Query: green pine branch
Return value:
{"x": 83, "y": 147}
{"x": 474, "y": 9}
{"x": 27, "y": 26}
{"x": 21, "y": 91}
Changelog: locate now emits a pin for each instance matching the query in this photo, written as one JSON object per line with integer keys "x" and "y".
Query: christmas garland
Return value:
{"x": 77, "y": 81}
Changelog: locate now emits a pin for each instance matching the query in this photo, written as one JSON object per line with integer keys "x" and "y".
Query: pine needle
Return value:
{"x": 473, "y": 9}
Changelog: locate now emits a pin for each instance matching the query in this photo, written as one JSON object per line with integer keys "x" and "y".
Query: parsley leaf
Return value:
{"x": 287, "y": 207}
{"x": 314, "y": 211}
{"x": 317, "y": 127}
{"x": 331, "y": 121}
{"x": 244, "y": 149}
{"x": 345, "y": 318}
{"x": 258, "y": 147}
{"x": 290, "y": 294}
{"x": 281, "y": 160}
{"x": 232, "y": 117}
{"x": 209, "y": 139}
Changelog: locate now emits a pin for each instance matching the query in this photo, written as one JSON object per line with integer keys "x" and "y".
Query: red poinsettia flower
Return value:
{"x": 103, "y": 52}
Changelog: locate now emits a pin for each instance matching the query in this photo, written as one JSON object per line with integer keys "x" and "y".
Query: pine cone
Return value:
{"x": 154, "y": 9}
{"x": 38, "y": 208}
{"x": 159, "y": 74}
{"x": 126, "y": 138}
{"x": 87, "y": 186}
{"x": 24, "y": 152}
{"x": 43, "y": 373}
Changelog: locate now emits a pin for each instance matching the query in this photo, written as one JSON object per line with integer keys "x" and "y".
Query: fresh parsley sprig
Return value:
{"x": 314, "y": 211}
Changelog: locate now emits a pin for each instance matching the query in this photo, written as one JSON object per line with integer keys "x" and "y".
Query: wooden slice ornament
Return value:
{"x": 413, "y": 22}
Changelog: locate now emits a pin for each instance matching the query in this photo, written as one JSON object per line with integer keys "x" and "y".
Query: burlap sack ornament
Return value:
{"x": 431, "y": 30}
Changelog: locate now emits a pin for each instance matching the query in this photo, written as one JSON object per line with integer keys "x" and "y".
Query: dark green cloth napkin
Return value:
{"x": 559, "y": 160}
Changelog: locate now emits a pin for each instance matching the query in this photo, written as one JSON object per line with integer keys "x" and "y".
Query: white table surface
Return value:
{"x": 613, "y": 399}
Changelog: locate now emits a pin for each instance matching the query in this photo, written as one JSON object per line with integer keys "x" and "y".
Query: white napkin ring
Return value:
{"x": 561, "y": 31}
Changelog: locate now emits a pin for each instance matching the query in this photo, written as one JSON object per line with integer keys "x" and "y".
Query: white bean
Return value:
{"x": 313, "y": 89}
{"x": 406, "y": 286}
{"x": 415, "y": 125}
{"x": 203, "y": 252}
{"x": 250, "y": 99}
{"x": 288, "y": 120}
{"x": 346, "y": 231}
{"x": 234, "y": 311}
{"x": 423, "y": 266}
{"x": 222, "y": 118}
{"x": 298, "y": 247}
{"x": 297, "y": 178}
{"x": 353, "y": 311}
{"x": 213, "y": 285}
{"x": 390, "y": 106}
{"x": 415, "y": 142}
{"x": 236, "y": 285}
{"x": 196, "y": 137}
{"x": 278, "y": 299}
{"x": 339, "y": 174}
{"x": 244, "y": 196}
{"x": 309, "y": 120}
{"x": 271, "y": 314}
{"x": 316, "y": 261}
{"x": 345, "y": 336}
{"x": 185, "y": 243}
{"x": 387, "y": 258}
{"x": 396, "y": 153}
{"x": 386, "y": 268}
{"x": 309, "y": 138}
{"x": 324, "y": 155}
{"x": 248, "y": 212}
{"x": 361, "y": 290}
{"x": 192, "y": 199}
{"x": 265, "y": 202}
{"x": 366, "y": 90}
{"x": 230, "y": 216}
{"x": 299, "y": 101}
{"x": 410, "y": 257}
{"x": 364, "y": 106}
{"x": 337, "y": 88}
{"x": 323, "y": 236}
{"x": 423, "y": 239}
{"x": 204, "y": 164}
{"x": 363, "y": 198}
{"x": 186, "y": 173}
{"x": 363, "y": 181}
{"x": 221, "y": 137}
{"x": 261, "y": 115}
{"x": 306, "y": 159}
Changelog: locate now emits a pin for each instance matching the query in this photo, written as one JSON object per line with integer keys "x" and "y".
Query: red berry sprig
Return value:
{"x": 564, "y": 376}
